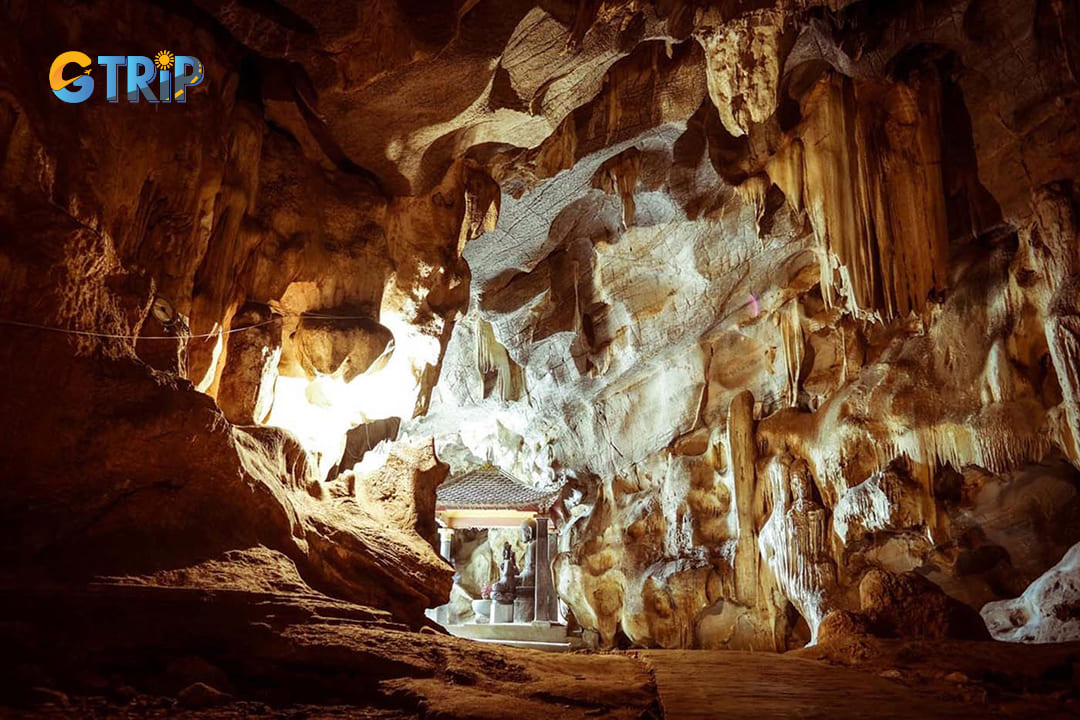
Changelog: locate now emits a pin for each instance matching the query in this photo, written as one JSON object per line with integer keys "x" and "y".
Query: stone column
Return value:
{"x": 743, "y": 458}
{"x": 446, "y": 541}
{"x": 545, "y": 607}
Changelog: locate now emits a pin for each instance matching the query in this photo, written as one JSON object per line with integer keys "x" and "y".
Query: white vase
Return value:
{"x": 482, "y": 609}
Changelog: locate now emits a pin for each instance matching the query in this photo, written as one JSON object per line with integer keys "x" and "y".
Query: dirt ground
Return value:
{"x": 121, "y": 651}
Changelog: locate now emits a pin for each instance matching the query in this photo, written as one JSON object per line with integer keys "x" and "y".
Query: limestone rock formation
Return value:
{"x": 401, "y": 493}
{"x": 1048, "y": 611}
{"x": 246, "y": 389}
{"x": 905, "y": 605}
{"x": 345, "y": 348}
{"x": 812, "y": 206}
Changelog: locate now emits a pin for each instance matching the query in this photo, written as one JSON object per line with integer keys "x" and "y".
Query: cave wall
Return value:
{"x": 791, "y": 301}
{"x": 272, "y": 254}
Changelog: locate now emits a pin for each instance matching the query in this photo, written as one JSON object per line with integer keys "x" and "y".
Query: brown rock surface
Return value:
{"x": 284, "y": 649}
{"x": 285, "y": 652}
{"x": 344, "y": 348}
{"x": 402, "y": 491}
{"x": 246, "y": 389}
{"x": 906, "y": 606}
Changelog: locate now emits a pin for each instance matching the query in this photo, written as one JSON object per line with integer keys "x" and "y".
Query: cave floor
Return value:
{"x": 741, "y": 685}
{"x": 690, "y": 684}
{"x": 123, "y": 650}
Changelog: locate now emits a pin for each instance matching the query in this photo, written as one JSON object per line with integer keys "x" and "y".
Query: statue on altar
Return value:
{"x": 528, "y": 537}
{"x": 504, "y": 589}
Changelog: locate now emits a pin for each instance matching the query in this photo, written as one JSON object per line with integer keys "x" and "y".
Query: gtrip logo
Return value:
{"x": 71, "y": 81}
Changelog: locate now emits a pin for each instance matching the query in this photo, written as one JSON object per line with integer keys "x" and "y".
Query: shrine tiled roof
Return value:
{"x": 488, "y": 487}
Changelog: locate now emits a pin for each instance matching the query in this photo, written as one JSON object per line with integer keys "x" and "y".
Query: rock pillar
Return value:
{"x": 446, "y": 541}
{"x": 546, "y": 607}
{"x": 743, "y": 457}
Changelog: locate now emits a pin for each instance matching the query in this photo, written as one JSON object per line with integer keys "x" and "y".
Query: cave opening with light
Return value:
{"x": 540, "y": 358}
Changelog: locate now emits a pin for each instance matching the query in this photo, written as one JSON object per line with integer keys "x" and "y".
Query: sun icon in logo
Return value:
{"x": 164, "y": 60}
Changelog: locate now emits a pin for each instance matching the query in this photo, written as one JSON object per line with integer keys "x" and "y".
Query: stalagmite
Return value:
{"x": 794, "y": 542}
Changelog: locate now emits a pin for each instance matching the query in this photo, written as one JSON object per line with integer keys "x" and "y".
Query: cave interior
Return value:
{"x": 536, "y": 358}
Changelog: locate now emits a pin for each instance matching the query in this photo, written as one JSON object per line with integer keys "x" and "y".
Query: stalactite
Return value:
{"x": 619, "y": 176}
{"x": 899, "y": 141}
{"x": 830, "y": 186}
{"x": 792, "y": 341}
{"x": 743, "y": 93}
{"x": 995, "y": 447}
{"x": 999, "y": 439}
{"x": 867, "y": 168}
{"x": 753, "y": 191}
{"x": 492, "y": 359}
{"x": 482, "y": 196}
{"x": 785, "y": 168}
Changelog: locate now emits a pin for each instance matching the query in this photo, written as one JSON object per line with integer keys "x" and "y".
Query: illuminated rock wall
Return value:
{"x": 827, "y": 218}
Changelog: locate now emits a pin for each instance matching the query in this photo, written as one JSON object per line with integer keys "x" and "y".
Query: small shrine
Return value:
{"x": 503, "y": 585}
